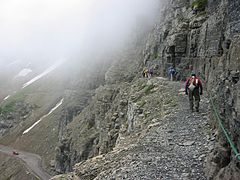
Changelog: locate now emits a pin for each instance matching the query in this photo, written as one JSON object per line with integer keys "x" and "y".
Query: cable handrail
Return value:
{"x": 217, "y": 116}
{"x": 235, "y": 150}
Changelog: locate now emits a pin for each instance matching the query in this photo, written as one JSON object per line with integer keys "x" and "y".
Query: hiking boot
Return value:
{"x": 197, "y": 110}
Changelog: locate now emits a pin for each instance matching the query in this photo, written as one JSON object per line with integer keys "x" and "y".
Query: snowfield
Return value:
{"x": 23, "y": 72}
{"x": 53, "y": 109}
{"x": 47, "y": 71}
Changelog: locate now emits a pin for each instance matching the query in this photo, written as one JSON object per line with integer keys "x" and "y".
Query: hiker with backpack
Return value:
{"x": 150, "y": 72}
{"x": 195, "y": 10}
{"x": 194, "y": 89}
{"x": 171, "y": 73}
{"x": 145, "y": 72}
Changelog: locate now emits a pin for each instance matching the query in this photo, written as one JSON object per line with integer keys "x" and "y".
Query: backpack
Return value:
{"x": 193, "y": 85}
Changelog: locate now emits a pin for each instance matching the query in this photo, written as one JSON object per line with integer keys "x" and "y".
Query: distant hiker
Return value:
{"x": 145, "y": 72}
{"x": 190, "y": 68}
{"x": 150, "y": 72}
{"x": 171, "y": 73}
{"x": 195, "y": 10}
{"x": 194, "y": 89}
{"x": 177, "y": 75}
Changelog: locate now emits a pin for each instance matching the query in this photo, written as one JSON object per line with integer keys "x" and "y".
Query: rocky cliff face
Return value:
{"x": 207, "y": 43}
{"x": 96, "y": 128}
{"x": 23, "y": 108}
{"x": 105, "y": 117}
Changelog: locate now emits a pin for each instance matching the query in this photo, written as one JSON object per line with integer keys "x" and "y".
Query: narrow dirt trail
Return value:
{"x": 31, "y": 161}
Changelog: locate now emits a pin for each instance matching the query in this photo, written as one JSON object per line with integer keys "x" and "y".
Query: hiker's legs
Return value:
{"x": 197, "y": 99}
{"x": 190, "y": 95}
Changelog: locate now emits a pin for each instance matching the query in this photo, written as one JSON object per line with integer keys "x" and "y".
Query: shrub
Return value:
{"x": 201, "y": 4}
{"x": 9, "y": 104}
{"x": 9, "y": 107}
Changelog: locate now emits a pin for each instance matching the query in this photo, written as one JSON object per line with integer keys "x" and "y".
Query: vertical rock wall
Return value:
{"x": 209, "y": 44}
{"x": 206, "y": 42}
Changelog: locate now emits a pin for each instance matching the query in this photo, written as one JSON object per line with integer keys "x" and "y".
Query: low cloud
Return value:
{"x": 52, "y": 29}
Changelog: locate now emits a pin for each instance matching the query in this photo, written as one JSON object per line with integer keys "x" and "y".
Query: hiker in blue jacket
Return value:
{"x": 171, "y": 72}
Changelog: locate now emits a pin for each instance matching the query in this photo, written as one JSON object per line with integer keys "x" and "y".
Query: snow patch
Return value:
{"x": 6, "y": 97}
{"x": 53, "y": 109}
{"x": 23, "y": 72}
{"x": 50, "y": 69}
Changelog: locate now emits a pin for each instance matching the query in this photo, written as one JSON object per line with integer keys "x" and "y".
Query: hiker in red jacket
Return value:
{"x": 193, "y": 89}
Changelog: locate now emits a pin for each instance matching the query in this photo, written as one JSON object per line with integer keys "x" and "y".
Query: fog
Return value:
{"x": 39, "y": 30}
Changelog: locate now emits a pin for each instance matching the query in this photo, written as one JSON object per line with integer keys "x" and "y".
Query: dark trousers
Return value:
{"x": 194, "y": 97}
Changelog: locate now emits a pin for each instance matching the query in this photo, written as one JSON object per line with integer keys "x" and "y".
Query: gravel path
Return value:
{"x": 185, "y": 141}
{"x": 177, "y": 147}
{"x": 174, "y": 148}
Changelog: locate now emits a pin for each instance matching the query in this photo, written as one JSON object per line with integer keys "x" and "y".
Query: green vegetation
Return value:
{"x": 156, "y": 55}
{"x": 200, "y": 4}
{"x": 148, "y": 89}
{"x": 9, "y": 105}
{"x": 142, "y": 103}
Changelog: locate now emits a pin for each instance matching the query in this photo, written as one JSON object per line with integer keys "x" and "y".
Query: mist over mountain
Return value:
{"x": 86, "y": 91}
{"x": 48, "y": 30}
{"x": 37, "y": 35}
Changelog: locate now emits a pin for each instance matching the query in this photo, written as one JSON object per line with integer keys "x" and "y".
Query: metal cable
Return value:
{"x": 235, "y": 150}
{"x": 237, "y": 154}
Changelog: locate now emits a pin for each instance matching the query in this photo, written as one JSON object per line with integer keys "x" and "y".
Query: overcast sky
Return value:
{"x": 36, "y": 29}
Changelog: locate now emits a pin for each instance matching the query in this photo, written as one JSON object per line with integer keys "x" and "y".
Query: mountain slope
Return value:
{"x": 158, "y": 137}
{"x": 111, "y": 112}
{"x": 206, "y": 43}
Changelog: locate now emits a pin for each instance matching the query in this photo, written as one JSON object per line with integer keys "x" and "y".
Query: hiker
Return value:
{"x": 145, "y": 72}
{"x": 194, "y": 89}
{"x": 190, "y": 68}
{"x": 150, "y": 72}
{"x": 171, "y": 72}
{"x": 177, "y": 75}
{"x": 195, "y": 10}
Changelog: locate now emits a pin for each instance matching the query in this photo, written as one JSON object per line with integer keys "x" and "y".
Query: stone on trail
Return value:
{"x": 188, "y": 143}
{"x": 182, "y": 90}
